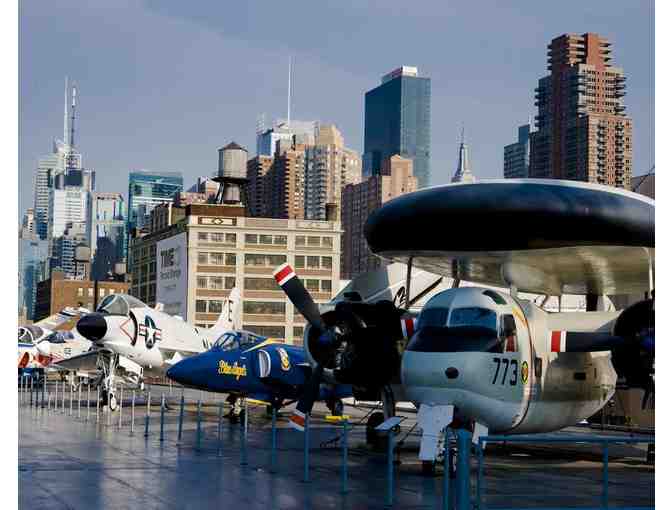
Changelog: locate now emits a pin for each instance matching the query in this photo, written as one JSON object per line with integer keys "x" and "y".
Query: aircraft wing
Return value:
{"x": 542, "y": 236}
{"x": 82, "y": 362}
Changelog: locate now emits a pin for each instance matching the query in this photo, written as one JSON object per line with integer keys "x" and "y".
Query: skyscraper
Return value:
{"x": 517, "y": 155}
{"x": 463, "y": 171}
{"x": 106, "y": 232}
{"x": 397, "y": 121}
{"x": 33, "y": 267}
{"x": 582, "y": 132}
{"x": 301, "y": 131}
{"x": 330, "y": 166}
{"x": 147, "y": 189}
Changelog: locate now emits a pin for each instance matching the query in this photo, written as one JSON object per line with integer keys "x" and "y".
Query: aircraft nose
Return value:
{"x": 43, "y": 347}
{"x": 92, "y": 326}
{"x": 181, "y": 371}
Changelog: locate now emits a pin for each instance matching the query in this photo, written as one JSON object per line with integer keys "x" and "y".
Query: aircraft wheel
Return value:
{"x": 374, "y": 420}
{"x": 112, "y": 402}
{"x": 428, "y": 468}
{"x": 103, "y": 397}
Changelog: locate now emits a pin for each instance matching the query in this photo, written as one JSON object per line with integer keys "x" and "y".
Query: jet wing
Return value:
{"x": 541, "y": 236}
{"x": 63, "y": 320}
{"x": 82, "y": 362}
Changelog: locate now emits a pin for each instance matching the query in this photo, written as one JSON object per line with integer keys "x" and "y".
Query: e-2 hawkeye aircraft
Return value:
{"x": 131, "y": 340}
{"x": 487, "y": 360}
{"x": 246, "y": 365}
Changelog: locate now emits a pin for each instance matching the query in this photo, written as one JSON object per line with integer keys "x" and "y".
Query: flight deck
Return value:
{"x": 83, "y": 457}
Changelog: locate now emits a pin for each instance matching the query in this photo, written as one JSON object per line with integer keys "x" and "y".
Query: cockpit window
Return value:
{"x": 119, "y": 304}
{"x": 474, "y": 316}
{"x": 227, "y": 342}
{"x": 59, "y": 337}
{"x": 433, "y": 317}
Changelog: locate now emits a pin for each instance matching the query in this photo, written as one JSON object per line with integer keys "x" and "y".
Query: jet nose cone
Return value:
{"x": 92, "y": 326}
{"x": 178, "y": 372}
{"x": 43, "y": 347}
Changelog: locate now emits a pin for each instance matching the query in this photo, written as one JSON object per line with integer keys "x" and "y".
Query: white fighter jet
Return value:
{"x": 131, "y": 340}
{"x": 488, "y": 360}
{"x": 51, "y": 339}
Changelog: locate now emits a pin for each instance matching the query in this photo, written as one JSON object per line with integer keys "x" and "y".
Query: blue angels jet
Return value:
{"x": 246, "y": 365}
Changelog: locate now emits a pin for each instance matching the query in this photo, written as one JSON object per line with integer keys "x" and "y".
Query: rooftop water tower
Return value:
{"x": 231, "y": 174}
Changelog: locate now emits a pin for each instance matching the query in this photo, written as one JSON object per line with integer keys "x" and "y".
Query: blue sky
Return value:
{"x": 164, "y": 83}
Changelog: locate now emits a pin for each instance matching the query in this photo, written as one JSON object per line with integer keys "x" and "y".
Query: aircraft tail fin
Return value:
{"x": 229, "y": 319}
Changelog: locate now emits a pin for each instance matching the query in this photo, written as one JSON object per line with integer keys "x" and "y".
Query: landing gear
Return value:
{"x": 237, "y": 412}
{"x": 109, "y": 380}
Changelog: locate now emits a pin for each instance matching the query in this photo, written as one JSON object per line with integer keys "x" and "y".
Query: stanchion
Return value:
{"x": 479, "y": 478}
{"x": 344, "y": 447}
{"x": 121, "y": 405}
{"x": 31, "y": 391}
{"x": 273, "y": 438}
{"x": 181, "y": 419}
{"x": 219, "y": 428}
{"x": 198, "y": 427}
{"x": 605, "y": 475}
{"x": 63, "y": 399}
{"x": 463, "y": 454}
{"x": 70, "y": 411}
{"x": 306, "y": 446}
{"x": 389, "y": 501}
{"x": 243, "y": 438}
{"x": 79, "y": 401}
{"x": 163, "y": 407}
{"x": 133, "y": 413}
{"x": 98, "y": 405}
{"x": 446, "y": 469}
{"x": 149, "y": 402}
{"x": 88, "y": 401}
{"x": 44, "y": 383}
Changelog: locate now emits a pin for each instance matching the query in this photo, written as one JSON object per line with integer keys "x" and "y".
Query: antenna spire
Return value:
{"x": 289, "y": 93}
{"x": 462, "y": 135}
{"x": 65, "y": 112}
{"x": 72, "y": 118}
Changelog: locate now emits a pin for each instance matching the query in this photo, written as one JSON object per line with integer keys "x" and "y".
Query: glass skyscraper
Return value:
{"x": 397, "y": 121}
{"x": 106, "y": 232}
{"x": 146, "y": 190}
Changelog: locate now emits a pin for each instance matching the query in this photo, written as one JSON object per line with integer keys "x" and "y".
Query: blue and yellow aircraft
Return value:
{"x": 246, "y": 365}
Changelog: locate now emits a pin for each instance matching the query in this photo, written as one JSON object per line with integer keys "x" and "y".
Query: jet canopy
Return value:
{"x": 119, "y": 304}
{"x": 232, "y": 340}
{"x": 28, "y": 334}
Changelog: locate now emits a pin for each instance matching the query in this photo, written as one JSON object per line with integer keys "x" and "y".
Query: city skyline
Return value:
{"x": 134, "y": 113}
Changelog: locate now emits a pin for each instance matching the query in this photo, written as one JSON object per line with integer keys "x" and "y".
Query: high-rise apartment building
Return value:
{"x": 330, "y": 166}
{"x": 66, "y": 207}
{"x": 64, "y": 247}
{"x": 147, "y": 189}
{"x": 360, "y": 200}
{"x": 286, "y": 182}
{"x": 258, "y": 187}
{"x": 299, "y": 131}
{"x": 582, "y": 132}
{"x": 517, "y": 155}
{"x": 106, "y": 232}
{"x": 397, "y": 121}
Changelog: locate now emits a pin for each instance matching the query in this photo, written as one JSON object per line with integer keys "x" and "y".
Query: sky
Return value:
{"x": 162, "y": 84}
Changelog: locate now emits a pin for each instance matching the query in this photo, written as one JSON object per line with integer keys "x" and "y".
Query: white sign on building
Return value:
{"x": 171, "y": 275}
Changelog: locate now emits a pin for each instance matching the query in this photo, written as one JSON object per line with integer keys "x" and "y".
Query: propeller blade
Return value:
{"x": 311, "y": 391}
{"x": 299, "y": 296}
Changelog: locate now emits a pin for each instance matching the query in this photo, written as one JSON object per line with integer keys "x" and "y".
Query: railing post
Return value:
{"x": 63, "y": 399}
{"x": 243, "y": 438}
{"x": 479, "y": 480}
{"x": 605, "y": 475}
{"x": 44, "y": 383}
{"x": 219, "y": 428}
{"x": 149, "y": 403}
{"x": 389, "y": 500}
{"x": 133, "y": 413}
{"x": 463, "y": 454}
{"x": 88, "y": 401}
{"x": 344, "y": 447}
{"x": 79, "y": 401}
{"x": 31, "y": 390}
{"x": 179, "y": 424}
{"x": 198, "y": 426}
{"x": 306, "y": 448}
{"x": 121, "y": 404}
{"x": 273, "y": 437}
{"x": 446, "y": 469}
{"x": 98, "y": 404}
{"x": 70, "y": 411}
{"x": 163, "y": 412}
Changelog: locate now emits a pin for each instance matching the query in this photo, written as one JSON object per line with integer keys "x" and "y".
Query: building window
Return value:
{"x": 231, "y": 238}
{"x": 265, "y": 239}
{"x": 216, "y": 283}
{"x": 312, "y": 284}
{"x": 214, "y": 306}
{"x": 325, "y": 285}
{"x": 300, "y": 240}
{"x": 264, "y": 260}
{"x": 267, "y": 331}
{"x": 251, "y": 239}
{"x": 202, "y": 236}
{"x": 202, "y": 282}
{"x": 90, "y": 292}
{"x": 230, "y": 259}
{"x": 101, "y": 292}
{"x": 217, "y": 237}
{"x": 299, "y": 261}
{"x": 261, "y": 284}
{"x": 327, "y": 242}
{"x": 201, "y": 306}
{"x": 217, "y": 259}
{"x": 229, "y": 282}
{"x": 313, "y": 262}
{"x": 313, "y": 241}
{"x": 280, "y": 240}
{"x": 264, "y": 307}
{"x": 80, "y": 292}
{"x": 298, "y": 332}
{"x": 326, "y": 262}
{"x": 202, "y": 258}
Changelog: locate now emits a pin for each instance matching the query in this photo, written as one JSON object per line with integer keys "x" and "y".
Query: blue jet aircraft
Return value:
{"x": 246, "y": 365}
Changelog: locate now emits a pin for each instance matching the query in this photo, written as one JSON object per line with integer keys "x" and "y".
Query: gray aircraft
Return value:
{"x": 483, "y": 359}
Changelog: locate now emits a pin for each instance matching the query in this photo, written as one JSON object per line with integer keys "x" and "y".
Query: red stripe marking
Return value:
{"x": 283, "y": 273}
{"x": 300, "y": 421}
{"x": 555, "y": 341}
{"x": 409, "y": 327}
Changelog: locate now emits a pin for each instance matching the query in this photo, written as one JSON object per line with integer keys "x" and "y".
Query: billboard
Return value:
{"x": 171, "y": 274}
